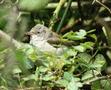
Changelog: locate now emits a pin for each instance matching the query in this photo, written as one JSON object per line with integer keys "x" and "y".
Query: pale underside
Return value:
{"x": 43, "y": 45}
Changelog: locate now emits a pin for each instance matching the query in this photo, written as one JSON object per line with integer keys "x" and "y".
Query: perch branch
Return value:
{"x": 103, "y": 5}
{"x": 6, "y": 38}
{"x": 64, "y": 16}
{"x": 96, "y": 78}
{"x": 56, "y": 13}
{"x": 75, "y": 4}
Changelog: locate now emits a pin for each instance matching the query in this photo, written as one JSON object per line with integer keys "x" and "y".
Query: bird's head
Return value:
{"x": 40, "y": 32}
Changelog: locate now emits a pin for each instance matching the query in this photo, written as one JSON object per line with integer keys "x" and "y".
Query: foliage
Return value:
{"x": 81, "y": 63}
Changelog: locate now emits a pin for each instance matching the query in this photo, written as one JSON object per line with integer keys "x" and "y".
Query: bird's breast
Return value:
{"x": 43, "y": 45}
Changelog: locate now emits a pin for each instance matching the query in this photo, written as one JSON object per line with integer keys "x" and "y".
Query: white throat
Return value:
{"x": 41, "y": 43}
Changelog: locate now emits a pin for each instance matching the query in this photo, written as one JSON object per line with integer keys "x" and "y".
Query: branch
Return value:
{"x": 64, "y": 15}
{"x": 103, "y": 6}
{"x": 56, "y": 13}
{"x": 75, "y": 4}
{"x": 54, "y": 5}
{"x": 96, "y": 78}
{"x": 6, "y": 38}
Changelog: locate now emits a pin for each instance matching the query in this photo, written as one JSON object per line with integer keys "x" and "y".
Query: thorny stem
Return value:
{"x": 57, "y": 10}
{"x": 103, "y": 5}
{"x": 56, "y": 13}
{"x": 64, "y": 16}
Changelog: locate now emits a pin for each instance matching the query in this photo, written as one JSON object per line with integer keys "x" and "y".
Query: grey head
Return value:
{"x": 40, "y": 31}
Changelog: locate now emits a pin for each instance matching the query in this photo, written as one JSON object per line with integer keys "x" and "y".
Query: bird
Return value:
{"x": 43, "y": 38}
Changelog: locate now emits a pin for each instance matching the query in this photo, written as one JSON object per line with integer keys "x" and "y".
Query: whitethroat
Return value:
{"x": 43, "y": 38}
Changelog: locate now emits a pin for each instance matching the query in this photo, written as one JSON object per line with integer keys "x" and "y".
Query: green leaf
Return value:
{"x": 3, "y": 16}
{"x": 96, "y": 85}
{"x": 67, "y": 76}
{"x": 30, "y": 77}
{"x": 88, "y": 45}
{"x": 62, "y": 83}
{"x": 70, "y": 52}
{"x": 93, "y": 36}
{"x": 43, "y": 69}
{"x": 81, "y": 33}
{"x": 31, "y": 52}
{"x": 33, "y": 56}
{"x": 74, "y": 84}
{"x": 48, "y": 77}
{"x": 99, "y": 62}
{"x": 89, "y": 74}
{"x": 17, "y": 70}
{"x": 76, "y": 35}
{"x": 79, "y": 48}
{"x": 33, "y": 5}
{"x": 22, "y": 59}
{"x": 106, "y": 84}
{"x": 84, "y": 46}
{"x": 84, "y": 57}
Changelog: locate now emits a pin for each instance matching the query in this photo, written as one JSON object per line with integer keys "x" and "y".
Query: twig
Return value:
{"x": 57, "y": 10}
{"x": 56, "y": 13}
{"x": 107, "y": 28}
{"x": 54, "y": 5}
{"x": 1, "y": 2}
{"x": 96, "y": 78}
{"x": 95, "y": 53}
{"x": 64, "y": 15}
{"x": 75, "y": 4}
{"x": 6, "y": 38}
{"x": 103, "y": 5}
{"x": 105, "y": 47}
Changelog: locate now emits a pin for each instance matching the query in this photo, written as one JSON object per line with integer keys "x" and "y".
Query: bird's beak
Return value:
{"x": 29, "y": 33}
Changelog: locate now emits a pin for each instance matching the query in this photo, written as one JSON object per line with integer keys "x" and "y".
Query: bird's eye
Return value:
{"x": 38, "y": 32}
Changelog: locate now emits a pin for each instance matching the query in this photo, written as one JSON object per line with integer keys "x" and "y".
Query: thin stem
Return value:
{"x": 1, "y": 2}
{"x": 56, "y": 13}
{"x": 96, "y": 78}
{"x": 80, "y": 10}
{"x": 64, "y": 16}
{"x": 103, "y": 6}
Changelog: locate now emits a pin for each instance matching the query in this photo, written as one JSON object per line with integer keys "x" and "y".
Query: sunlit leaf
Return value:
{"x": 17, "y": 70}
{"x": 22, "y": 59}
{"x": 62, "y": 82}
{"x": 30, "y": 77}
{"x": 74, "y": 84}
{"x": 96, "y": 85}
{"x": 84, "y": 57}
{"x": 84, "y": 46}
{"x": 106, "y": 84}
{"x": 48, "y": 77}
{"x": 89, "y": 74}
{"x": 79, "y": 48}
{"x": 76, "y": 35}
{"x": 93, "y": 36}
{"x": 70, "y": 52}
{"x": 99, "y": 62}
{"x": 33, "y": 5}
{"x": 68, "y": 76}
